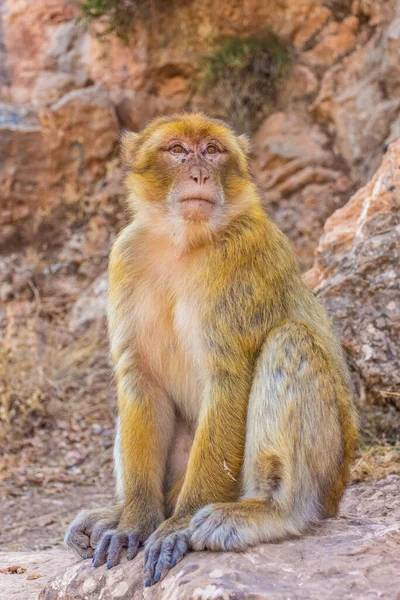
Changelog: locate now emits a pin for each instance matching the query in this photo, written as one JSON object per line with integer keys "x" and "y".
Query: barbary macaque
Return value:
{"x": 236, "y": 418}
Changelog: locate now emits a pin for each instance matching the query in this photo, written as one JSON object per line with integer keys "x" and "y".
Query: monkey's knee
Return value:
{"x": 268, "y": 475}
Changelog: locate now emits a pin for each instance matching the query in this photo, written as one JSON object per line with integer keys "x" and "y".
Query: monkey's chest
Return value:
{"x": 169, "y": 345}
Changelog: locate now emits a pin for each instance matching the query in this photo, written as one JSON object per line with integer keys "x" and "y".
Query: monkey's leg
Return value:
{"x": 146, "y": 424}
{"x": 87, "y": 528}
{"x": 178, "y": 458}
{"x": 295, "y": 464}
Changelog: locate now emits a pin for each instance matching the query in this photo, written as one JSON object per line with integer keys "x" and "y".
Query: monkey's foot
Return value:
{"x": 165, "y": 548}
{"x": 78, "y": 539}
{"x": 220, "y": 526}
{"x": 111, "y": 545}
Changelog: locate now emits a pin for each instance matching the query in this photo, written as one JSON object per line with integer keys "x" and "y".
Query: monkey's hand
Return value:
{"x": 165, "y": 548}
{"x": 130, "y": 533}
{"x": 87, "y": 528}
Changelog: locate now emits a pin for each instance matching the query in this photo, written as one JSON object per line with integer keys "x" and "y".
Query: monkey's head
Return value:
{"x": 189, "y": 170}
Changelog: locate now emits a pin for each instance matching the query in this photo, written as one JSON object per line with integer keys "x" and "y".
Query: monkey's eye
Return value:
{"x": 212, "y": 149}
{"x": 177, "y": 149}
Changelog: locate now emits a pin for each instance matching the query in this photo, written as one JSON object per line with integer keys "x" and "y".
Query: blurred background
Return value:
{"x": 314, "y": 83}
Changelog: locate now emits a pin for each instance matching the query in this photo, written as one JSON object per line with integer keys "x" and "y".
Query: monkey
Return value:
{"x": 236, "y": 418}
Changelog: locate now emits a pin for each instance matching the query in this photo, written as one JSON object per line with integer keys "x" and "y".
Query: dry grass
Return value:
{"x": 376, "y": 462}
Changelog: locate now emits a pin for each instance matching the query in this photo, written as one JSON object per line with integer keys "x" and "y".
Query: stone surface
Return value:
{"x": 44, "y": 563}
{"x": 295, "y": 167}
{"x": 32, "y": 34}
{"x": 337, "y": 40}
{"x": 52, "y": 156}
{"x": 359, "y": 98}
{"x": 357, "y": 276}
{"x": 354, "y": 556}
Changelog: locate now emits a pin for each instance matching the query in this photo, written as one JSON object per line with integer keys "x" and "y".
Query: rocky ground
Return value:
{"x": 354, "y": 556}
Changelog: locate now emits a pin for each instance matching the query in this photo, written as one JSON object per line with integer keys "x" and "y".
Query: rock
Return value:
{"x": 44, "y": 563}
{"x": 49, "y": 157}
{"x": 390, "y": 67}
{"x": 295, "y": 168}
{"x": 50, "y": 87}
{"x": 337, "y": 39}
{"x": 30, "y": 30}
{"x": 310, "y": 25}
{"x": 303, "y": 20}
{"x": 22, "y": 160}
{"x": 359, "y": 96}
{"x": 357, "y": 273}
{"x": 85, "y": 125}
{"x": 90, "y": 308}
{"x": 300, "y": 83}
{"x": 375, "y": 12}
{"x": 353, "y": 557}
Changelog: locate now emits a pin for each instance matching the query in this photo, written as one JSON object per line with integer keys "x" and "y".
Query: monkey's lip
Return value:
{"x": 197, "y": 199}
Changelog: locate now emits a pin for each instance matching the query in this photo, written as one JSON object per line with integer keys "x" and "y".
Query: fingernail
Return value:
{"x": 109, "y": 564}
{"x": 84, "y": 556}
{"x": 157, "y": 576}
{"x": 147, "y": 582}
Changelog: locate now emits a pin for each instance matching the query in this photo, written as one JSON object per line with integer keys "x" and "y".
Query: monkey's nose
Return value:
{"x": 199, "y": 174}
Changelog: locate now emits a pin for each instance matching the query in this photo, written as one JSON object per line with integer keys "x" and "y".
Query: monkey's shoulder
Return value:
{"x": 128, "y": 257}
{"x": 254, "y": 235}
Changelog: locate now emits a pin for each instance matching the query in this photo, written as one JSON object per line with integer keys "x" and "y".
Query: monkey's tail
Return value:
{"x": 234, "y": 526}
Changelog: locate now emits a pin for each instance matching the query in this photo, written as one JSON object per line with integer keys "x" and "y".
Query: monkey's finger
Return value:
{"x": 164, "y": 560}
{"x": 87, "y": 553}
{"x": 152, "y": 553}
{"x": 78, "y": 541}
{"x": 118, "y": 541}
{"x": 100, "y": 555}
{"x": 133, "y": 546}
{"x": 181, "y": 548}
{"x": 97, "y": 533}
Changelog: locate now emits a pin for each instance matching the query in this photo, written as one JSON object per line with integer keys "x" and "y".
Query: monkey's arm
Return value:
{"x": 215, "y": 460}
{"x": 145, "y": 430}
{"x": 146, "y": 418}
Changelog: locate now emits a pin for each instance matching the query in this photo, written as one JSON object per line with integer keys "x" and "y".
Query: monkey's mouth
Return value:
{"x": 197, "y": 201}
{"x": 196, "y": 208}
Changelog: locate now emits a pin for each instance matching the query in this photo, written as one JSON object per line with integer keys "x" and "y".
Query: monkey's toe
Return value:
{"x": 109, "y": 550}
{"x": 77, "y": 539}
{"x": 162, "y": 554}
{"x": 214, "y": 528}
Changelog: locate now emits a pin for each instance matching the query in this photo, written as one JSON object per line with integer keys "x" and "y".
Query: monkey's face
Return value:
{"x": 197, "y": 165}
{"x": 188, "y": 168}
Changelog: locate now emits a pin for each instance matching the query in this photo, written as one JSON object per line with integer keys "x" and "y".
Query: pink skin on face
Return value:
{"x": 196, "y": 191}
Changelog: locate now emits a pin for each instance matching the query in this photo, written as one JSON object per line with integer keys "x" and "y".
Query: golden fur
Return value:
{"x": 216, "y": 338}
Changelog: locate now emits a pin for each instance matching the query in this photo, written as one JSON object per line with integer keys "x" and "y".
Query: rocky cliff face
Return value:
{"x": 357, "y": 276}
{"x": 336, "y": 110}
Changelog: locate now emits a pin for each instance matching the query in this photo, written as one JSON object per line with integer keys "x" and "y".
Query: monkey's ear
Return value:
{"x": 244, "y": 143}
{"x": 128, "y": 142}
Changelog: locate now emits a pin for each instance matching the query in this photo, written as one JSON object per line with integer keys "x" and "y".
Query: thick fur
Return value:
{"x": 212, "y": 327}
